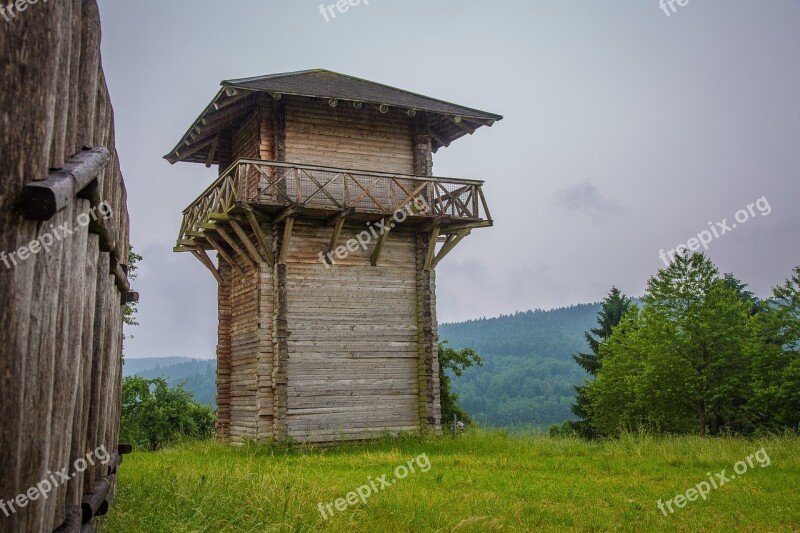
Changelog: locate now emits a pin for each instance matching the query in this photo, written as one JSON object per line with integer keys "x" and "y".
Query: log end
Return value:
{"x": 38, "y": 203}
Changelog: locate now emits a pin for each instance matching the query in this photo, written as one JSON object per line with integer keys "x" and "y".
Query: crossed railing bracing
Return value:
{"x": 271, "y": 183}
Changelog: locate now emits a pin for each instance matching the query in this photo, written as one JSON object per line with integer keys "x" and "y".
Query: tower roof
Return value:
{"x": 235, "y": 100}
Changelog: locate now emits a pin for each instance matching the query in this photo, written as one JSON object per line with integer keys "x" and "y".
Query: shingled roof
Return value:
{"x": 236, "y": 99}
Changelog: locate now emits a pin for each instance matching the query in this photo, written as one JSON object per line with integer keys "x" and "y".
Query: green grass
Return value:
{"x": 482, "y": 481}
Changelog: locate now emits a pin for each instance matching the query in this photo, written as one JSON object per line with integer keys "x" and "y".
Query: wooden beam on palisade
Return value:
{"x": 200, "y": 254}
{"x": 376, "y": 253}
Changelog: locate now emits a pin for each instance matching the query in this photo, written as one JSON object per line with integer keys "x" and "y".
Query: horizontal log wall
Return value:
{"x": 344, "y": 137}
{"x": 321, "y": 354}
{"x": 244, "y": 354}
{"x": 353, "y": 352}
{"x": 244, "y": 351}
{"x": 61, "y": 310}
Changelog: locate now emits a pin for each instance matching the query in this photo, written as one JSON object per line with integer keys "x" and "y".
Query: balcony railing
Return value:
{"x": 276, "y": 185}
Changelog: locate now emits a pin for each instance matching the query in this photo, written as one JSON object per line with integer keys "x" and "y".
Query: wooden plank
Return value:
{"x": 287, "y": 236}
{"x": 248, "y": 244}
{"x": 233, "y": 244}
{"x": 262, "y": 239}
{"x": 431, "y": 247}
{"x": 223, "y": 253}
{"x": 376, "y": 252}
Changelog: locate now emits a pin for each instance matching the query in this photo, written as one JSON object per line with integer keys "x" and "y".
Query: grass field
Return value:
{"x": 481, "y": 481}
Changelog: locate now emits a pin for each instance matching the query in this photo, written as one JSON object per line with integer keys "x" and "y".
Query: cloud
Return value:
{"x": 586, "y": 198}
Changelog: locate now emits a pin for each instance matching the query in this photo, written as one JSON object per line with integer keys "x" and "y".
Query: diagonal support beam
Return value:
{"x": 212, "y": 152}
{"x": 344, "y": 213}
{"x": 248, "y": 244}
{"x": 431, "y": 247}
{"x": 337, "y": 231}
{"x": 287, "y": 237}
{"x": 452, "y": 243}
{"x": 236, "y": 248}
{"x": 376, "y": 253}
{"x": 201, "y": 254}
{"x": 223, "y": 253}
{"x": 262, "y": 239}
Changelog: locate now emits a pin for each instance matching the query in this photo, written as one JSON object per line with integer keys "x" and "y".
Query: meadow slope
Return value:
{"x": 481, "y": 481}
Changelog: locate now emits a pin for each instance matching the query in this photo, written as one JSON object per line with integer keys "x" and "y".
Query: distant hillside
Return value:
{"x": 198, "y": 376}
{"x": 528, "y": 376}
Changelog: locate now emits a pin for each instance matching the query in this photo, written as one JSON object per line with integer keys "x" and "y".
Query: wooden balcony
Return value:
{"x": 274, "y": 189}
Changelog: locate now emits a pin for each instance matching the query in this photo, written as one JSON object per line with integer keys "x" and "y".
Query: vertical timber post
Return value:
{"x": 224, "y": 353}
{"x": 427, "y": 332}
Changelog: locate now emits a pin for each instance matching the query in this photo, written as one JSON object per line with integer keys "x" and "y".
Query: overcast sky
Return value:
{"x": 626, "y": 132}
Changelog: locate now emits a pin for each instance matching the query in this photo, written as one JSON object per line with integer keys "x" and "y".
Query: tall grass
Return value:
{"x": 481, "y": 481}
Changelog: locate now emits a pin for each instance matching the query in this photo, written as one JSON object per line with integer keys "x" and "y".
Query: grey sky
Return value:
{"x": 626, "y": 132}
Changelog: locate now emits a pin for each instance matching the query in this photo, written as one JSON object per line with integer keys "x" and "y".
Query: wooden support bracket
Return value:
{"x": 232, "y": 243}
{"x": 337, "y": 231}
{"x": 435, "y": 136}
{"x": 248, "y": 244}
{"x": 202, "y": 256}
{"x": 290, "y": 212}
{"x": 287, "y": 236}
{"x": 431, "y": 247}
{"x": 343, "y": 214}
{"x": 212, "y": 152}
{"x": 223, "y": 253}
{"x": 376, "y": 253}
{"x": 452, "y": 243}
{"x": 262, "y": 239}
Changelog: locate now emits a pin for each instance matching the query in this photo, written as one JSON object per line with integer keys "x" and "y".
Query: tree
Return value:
{"x": 683, "y": 360}
{"x": 456, "y": 361}
{"x": 776, "y": 359}
{"x": 615, "y": 305}
{"x": 153, "y": 414}
{"x": 129, "y": 316}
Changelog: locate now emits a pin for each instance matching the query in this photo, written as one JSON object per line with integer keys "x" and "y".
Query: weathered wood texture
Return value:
{"x": 244, "y": 350}
{"x": 60, "y": 304}
{"x": 352, "y": 365}
{"x": 320, "y": 353}
{"x": 344, "y": 137}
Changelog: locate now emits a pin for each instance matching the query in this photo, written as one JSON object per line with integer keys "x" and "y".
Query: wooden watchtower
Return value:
{"x": 328, "y": 225}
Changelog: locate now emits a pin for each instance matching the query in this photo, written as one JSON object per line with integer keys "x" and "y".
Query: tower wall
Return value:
{"x": 320, "y": 353}
{"x": 353, "y": 352}
{"x": 344, "y": 137}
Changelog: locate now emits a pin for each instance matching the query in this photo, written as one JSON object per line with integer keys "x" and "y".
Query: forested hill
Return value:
{"x": 528, "y": 374}
{"x": 199, "y": 376}
{"x": 527, "y": 378}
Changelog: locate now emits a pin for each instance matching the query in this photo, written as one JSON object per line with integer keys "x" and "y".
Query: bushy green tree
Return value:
{"x": 154, "y": 414}
{"x": 456, "y": 361}
{"x": 683, "y": 360}
{"x": 615, "y": 305}
{"x": 776, "y": 359}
